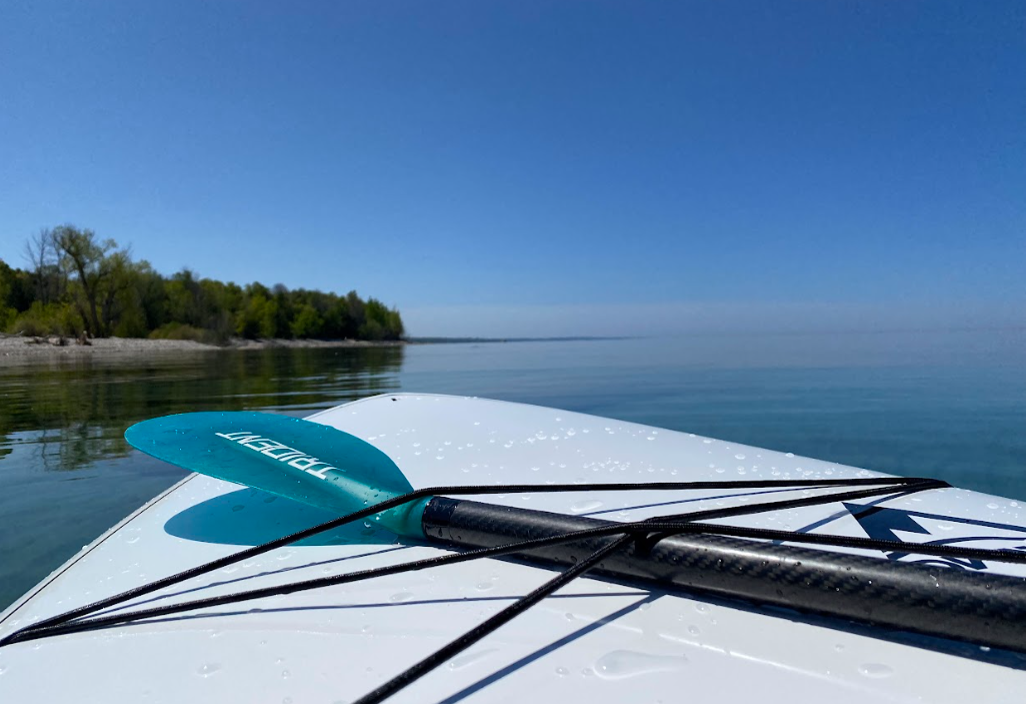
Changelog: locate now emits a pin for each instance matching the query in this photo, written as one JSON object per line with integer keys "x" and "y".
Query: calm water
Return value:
{"x": 949, "y": 405}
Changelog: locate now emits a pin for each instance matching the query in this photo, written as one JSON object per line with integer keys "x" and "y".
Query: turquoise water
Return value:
{"x": 950, "y": 405}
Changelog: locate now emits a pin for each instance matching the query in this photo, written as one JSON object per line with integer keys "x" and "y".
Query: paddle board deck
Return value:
{"x": 595, "y": 639}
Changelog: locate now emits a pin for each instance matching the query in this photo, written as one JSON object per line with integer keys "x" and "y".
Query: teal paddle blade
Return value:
{"x": 290, "y": 457}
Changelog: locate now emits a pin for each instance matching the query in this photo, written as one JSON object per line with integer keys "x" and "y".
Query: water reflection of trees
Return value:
{"x": 78, "y": 409}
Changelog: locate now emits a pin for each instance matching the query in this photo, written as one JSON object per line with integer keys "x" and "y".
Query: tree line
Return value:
{"x": 77, "y": 284}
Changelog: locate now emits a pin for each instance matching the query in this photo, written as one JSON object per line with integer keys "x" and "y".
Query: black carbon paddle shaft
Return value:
{"x": 985, "y": 609}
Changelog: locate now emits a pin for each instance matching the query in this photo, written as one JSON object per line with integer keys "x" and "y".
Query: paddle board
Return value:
{"x": 596, "y": 638}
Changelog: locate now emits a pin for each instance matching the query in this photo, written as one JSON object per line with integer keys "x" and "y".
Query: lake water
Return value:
{"x": 949, "y": 405}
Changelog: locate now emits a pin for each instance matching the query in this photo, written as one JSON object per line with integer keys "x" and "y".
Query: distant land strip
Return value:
{"x": 20, "y": 348}
{"x": 463, "y": 340}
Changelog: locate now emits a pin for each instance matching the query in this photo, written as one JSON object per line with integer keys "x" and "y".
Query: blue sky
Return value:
{"x": 518, "y": 168}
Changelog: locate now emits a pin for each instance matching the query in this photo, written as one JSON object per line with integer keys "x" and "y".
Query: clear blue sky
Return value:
{"x": 519, "y": 167}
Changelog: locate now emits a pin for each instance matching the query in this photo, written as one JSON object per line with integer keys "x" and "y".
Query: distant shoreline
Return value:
{"x": 16, "y": 347}
{"x": 466, "y": 340}
{"x": 20, "y": 347}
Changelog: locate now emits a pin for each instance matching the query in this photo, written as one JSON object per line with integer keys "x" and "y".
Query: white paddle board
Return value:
{"x": 594, "y": 640}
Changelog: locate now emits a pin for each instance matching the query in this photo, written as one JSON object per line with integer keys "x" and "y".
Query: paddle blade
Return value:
{"x": 290, "y": 457}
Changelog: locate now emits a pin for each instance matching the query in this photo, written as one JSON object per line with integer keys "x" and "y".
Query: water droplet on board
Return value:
{"x": 992, "y": 506}
{"x": 739, "y": 457}
{"x": 562, "y": 671}
{"x": 208, "y": 669}
{"x": 584, "y": 506}
{"x": 400, "y": 596}
{"x": 875, "y": 670}
{"x": 468, "y": 659}
{"x": 621, "y": 664}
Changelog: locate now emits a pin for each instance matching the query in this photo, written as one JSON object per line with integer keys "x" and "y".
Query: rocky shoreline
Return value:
{"x": 19, "y": 347}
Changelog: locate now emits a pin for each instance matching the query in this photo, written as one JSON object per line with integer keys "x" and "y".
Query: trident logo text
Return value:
{"x": 278, "y": 451}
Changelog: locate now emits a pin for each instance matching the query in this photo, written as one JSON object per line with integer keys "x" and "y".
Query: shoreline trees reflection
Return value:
{"x": 75, "y": 411}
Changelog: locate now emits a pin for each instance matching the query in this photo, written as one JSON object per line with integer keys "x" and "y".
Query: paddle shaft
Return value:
{"x": 980, "y": 608}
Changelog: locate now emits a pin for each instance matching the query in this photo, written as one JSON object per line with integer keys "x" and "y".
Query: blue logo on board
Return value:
{"x": 882, "y": 523}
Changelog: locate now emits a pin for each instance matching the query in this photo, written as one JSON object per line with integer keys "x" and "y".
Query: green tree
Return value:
{"x": 283, "y": 312}
{"x": 270, "y": 319}
{"x": 308, "y": 323}
{"x": 117, "y": 294}
{"x": 153, "y": 297}
{"x": 248, "y": 324}
{"x": 8, "y": 280}
{"x": 16, "y": 289}
{"x": 381, "y": 322}
{"x": 98, "y": 268}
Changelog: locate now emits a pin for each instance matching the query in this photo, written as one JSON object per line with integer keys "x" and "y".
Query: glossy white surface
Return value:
{"x": 594, "y": 640}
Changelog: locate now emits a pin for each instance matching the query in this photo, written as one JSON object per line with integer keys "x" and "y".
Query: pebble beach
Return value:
{"x": 19, "y": 348}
